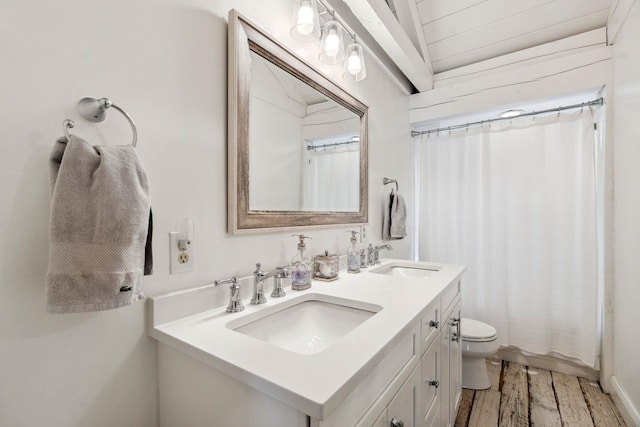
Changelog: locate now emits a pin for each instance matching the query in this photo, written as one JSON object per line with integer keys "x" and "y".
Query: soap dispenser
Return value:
{"x": 353, "y": 256}
{"x": 301, "y": 266}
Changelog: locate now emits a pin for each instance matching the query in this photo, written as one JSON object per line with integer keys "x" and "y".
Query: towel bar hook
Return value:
{"x": 95, "y": 110}
{"x": 386, "y": 181}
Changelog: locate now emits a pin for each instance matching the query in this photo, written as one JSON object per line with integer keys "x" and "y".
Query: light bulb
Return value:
{"x": 354, "y": 65}
{"x": 305, "y": 19}
{"x": 332, "y": 44}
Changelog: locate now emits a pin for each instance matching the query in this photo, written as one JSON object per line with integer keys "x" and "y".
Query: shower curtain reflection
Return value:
{"x": 331, "y": 177}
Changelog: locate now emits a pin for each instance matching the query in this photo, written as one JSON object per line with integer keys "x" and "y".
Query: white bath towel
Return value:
{"x": 99, "y": 225}
{"x": 394, "y": 217}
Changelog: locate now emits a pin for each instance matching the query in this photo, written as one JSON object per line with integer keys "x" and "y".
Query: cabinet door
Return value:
{"x": 451, "y": 367}
{"x": 403, "y": 409}
{"x": 455, "y": 363}
{"x": 430, "y": 386}
{"x": 445, "y": 373}
{"x": 430, "y": 377}
{"x": 431, "y": 324}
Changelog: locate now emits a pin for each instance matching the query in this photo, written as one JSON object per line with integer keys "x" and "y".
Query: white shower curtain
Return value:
{"x": 516, "y": 204}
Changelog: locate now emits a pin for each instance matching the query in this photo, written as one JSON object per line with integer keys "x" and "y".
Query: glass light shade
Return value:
{"x": 354, "y": 67}
{"x": 305, "y": 25}
{"x": 332, "y": 44}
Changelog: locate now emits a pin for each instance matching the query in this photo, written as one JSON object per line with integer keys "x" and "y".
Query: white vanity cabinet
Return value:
{"x": 400, "y": 368}
{"x": 431, "y": 395}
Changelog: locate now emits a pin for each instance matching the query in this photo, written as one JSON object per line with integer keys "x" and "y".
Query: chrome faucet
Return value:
{"x": 235, "y": 303}
{"x": 370, "y": 254}
{"x": 375, "y": 252}
{"x": 260, "y": 276}
{"x": 363, "y": 259}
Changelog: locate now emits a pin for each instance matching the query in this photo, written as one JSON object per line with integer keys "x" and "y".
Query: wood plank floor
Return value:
{"x": 522, "y": 396}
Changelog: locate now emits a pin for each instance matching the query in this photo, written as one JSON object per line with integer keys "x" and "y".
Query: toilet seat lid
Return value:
{"x": 475, "y": 330}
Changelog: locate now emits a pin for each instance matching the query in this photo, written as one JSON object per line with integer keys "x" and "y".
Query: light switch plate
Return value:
{"x": 179, "y": 261}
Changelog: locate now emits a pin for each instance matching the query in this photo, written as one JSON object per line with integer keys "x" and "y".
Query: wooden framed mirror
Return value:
{"x": 297, "y": 142}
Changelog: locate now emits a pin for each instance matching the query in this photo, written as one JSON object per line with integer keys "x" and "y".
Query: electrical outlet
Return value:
{"x": 181, "y": 261}
{"x": 363, "y": 234}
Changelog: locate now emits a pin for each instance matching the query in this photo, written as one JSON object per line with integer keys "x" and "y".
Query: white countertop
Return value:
{"x": 315, "y": 384}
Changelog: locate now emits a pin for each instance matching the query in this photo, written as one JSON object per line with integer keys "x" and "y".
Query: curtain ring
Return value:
{"x": 534, "y": 115}
{"x": 558, "y": 112}
{"x": 449, "y": 130}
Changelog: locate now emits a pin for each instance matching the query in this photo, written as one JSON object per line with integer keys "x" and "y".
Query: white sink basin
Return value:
{"x": 309, "y": 325}
{"x": 406, "y": 271}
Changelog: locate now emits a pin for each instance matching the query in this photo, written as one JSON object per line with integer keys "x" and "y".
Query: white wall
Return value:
{"x": 627, "y": 211}
{"x": 164, "y": 61}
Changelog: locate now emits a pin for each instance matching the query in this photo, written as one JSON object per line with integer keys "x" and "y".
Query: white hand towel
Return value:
{"x": 100, "y": 213}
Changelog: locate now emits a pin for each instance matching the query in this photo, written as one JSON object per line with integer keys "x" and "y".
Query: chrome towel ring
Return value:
{"x": 95, "y": 110}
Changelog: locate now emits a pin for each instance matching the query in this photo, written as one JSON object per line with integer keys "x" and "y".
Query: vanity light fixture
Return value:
{"x": 306, "y": 24}
{"x": 332, "y": 44}
{"x": 510, "y": 114}
{"x": 306, "y": 28}
{"x": 354, "y": 68}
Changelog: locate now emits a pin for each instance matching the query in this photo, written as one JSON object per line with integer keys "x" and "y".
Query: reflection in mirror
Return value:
{"x": 304, "y": 147}
{"x": 297, "y": 142}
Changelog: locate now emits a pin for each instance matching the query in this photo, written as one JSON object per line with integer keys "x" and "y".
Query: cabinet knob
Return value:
{"x": 434, "y": 323}
{"x": 434, "y": 383}
{"x": 396, "y": 423}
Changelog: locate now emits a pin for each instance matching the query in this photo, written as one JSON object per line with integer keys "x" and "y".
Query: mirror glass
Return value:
{"x": 304, "y": 148}
{"x": 297, "y": 141}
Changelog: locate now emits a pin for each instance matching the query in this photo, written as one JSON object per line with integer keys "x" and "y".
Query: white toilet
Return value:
{"x": 479, "y": 340}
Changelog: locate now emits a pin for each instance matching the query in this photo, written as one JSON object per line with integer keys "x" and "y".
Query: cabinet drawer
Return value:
{"x": 430, "y": 382}
{"x": 448, "y": 296}
{"x": 379, "y": 386}
{"x": 431, "y": 324}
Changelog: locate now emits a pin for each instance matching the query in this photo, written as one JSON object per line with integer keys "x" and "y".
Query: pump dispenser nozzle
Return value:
{"x": 301, "y": 237}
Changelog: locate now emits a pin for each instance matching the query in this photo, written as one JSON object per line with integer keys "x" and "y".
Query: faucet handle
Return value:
{"x": 233, "y": 280}
{"x": 235, "y": 303}
{"x": 278, "y": 290}
{"x": 285, "y": 271}
{"x": 258, "y": 269}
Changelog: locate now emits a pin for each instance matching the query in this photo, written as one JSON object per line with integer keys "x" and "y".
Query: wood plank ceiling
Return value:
{"x": 455, "y": 33}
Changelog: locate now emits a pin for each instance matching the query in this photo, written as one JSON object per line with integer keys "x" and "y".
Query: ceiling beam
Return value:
{"x": 409, "y": 18}
{"x": 618, "y": 13}
{"x": 379, "y": 21}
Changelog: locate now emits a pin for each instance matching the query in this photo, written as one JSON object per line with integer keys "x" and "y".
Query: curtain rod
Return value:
{"x": 599, "y": 101}
{"x": 335, "y": 144}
